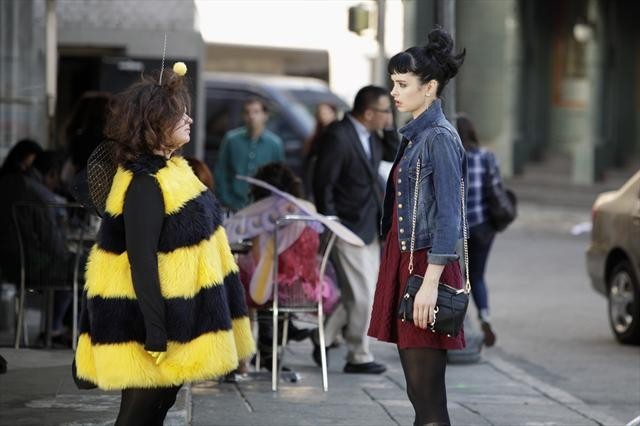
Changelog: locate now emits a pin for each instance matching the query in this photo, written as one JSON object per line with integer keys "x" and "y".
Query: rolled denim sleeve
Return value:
{"x": 447, "y": 172}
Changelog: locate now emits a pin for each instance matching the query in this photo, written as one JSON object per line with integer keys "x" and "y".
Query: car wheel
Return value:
{"x": 624, "y": 303}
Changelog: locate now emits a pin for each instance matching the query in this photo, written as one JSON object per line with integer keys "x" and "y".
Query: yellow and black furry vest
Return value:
{"x": 206, "y": 315}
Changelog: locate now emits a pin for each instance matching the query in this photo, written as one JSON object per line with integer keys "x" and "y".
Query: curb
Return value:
{"x": 551, "y": 392}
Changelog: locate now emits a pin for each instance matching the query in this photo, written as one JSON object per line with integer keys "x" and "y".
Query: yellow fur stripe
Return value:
{"x": 128, "y": 365}
{"x": 176, "y": 179}
{"x": 85, "y": 364}
{"x": 224, "y": 250}
{"x": 115, "y": 201}
{"x": 179, "y": 184}
{"x": 183, "y": 272}
{"x": 245, "y": 346}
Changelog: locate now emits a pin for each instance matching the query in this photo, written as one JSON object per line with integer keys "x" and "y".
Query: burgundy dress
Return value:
{"x": 385, "y": 324}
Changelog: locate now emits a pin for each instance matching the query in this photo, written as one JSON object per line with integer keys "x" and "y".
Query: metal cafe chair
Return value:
{"x": 296, "y": 301}
{"x": 53, "y": 240}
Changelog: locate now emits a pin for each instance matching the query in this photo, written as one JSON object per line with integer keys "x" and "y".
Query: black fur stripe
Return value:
{"x": 236, "y": 296}
{"x": 111, "y": 236}
{"x": 83, "y": 323}
{"x": 120, "y": 320}
{"x": 195, "y": 222}
{"x": 146, "y": 163}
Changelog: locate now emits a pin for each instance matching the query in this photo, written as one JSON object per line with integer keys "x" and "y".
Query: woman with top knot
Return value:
{"x": 430, "y": 145}
{"x": 162, "y": 302}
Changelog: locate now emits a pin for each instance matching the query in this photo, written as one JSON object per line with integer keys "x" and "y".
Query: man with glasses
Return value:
{"x": 346, "y": 184}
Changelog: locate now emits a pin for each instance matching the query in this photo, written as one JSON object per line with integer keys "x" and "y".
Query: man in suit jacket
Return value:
{"x": 346, "y": 184}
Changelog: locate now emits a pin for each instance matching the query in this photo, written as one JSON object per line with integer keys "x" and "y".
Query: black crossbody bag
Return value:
{"x": 451, "y": 305}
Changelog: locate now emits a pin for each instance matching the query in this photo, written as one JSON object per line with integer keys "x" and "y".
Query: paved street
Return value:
{"x": 549, "y": 320}
{"x": 556, "y": 362}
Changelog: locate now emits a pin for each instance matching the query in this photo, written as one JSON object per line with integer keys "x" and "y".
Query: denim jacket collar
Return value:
{"x": 421, "y": 122}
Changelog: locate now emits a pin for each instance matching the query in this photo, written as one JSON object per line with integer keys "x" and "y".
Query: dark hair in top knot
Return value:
{"x": 435, "y": 61}
{"x": 439, "y": 42}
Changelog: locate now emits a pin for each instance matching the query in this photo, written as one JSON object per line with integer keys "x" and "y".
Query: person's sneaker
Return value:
{"x": 268, "y": 364}
{"x": 316, "y": 355}
{"x": 230, "y": 378}
{"x": 299, "y": 334}
{"x": 366, "y": 368}
{"x": 315, "y": 340}
{"x": 489, "y": 335}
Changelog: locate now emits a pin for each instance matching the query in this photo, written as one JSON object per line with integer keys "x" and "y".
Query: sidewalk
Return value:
{"x": 38, "y": 390}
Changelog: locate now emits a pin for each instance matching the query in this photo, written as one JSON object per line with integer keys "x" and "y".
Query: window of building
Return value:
{"x": 570, "y": 84}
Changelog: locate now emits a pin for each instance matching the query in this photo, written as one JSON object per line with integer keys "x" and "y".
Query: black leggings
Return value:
{"x": 424, "y": 370}
{"x": 145, "y": 407}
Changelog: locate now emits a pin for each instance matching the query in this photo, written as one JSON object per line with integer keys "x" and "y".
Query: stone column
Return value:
{"x": 22, "y": 99}
{"x": 587, "y": 156}
{"x": 511, "y": 135}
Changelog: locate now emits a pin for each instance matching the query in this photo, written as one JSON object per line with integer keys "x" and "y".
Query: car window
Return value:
{"x": 291, "y": 139}
{"x": 293, "y": 125}
{"x": 279, "y": 125}
{"x": 311, "y": 98}
{"x": 224, "y": 112}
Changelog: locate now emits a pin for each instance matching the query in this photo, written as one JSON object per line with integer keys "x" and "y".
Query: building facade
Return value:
{"x": 101, "y": 46}
{"x": 22, "y": 72}
{"x": 548, "y": 80}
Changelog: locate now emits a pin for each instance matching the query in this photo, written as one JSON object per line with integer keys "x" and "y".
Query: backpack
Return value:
{"x": 502, "y": 202}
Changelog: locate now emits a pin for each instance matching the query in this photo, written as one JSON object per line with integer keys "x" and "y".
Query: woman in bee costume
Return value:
{"x": 163, "y": 304}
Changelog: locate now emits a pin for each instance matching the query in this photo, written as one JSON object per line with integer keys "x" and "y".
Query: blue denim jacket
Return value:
{"x": 435, "y": 141}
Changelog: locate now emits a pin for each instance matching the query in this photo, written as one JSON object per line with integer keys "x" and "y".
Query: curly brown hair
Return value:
{"x": 142, "y": 118}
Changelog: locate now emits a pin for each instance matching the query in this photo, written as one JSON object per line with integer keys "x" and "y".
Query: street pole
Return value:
{"x": 446, "y": 15}
{"x": 51, "y": 69}
{"x": 381, "y": 59}
{"x": 587, "y": 167}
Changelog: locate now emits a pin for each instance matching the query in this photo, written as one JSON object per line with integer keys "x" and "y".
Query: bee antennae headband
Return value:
{"x": 164, "y": 51}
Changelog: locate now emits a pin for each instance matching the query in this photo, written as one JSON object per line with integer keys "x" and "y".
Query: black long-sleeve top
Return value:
{"x": 143, "y": 217}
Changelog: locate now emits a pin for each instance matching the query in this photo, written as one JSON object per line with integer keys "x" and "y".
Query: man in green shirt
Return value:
{"x": 243, "y": 151}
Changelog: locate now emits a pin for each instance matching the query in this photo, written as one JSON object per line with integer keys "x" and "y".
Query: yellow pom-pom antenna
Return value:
{"x": 180, "y": 68}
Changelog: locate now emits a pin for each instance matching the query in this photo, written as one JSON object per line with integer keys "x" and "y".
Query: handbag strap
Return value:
{"x": 467, "y": 287}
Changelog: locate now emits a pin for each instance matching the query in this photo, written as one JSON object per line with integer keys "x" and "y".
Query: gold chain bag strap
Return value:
{"x": 451, "y": 305}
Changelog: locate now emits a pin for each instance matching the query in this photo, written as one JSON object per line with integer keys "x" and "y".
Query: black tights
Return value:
{"x": 424, "y": 370}
{"x": 146, "y": 407}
